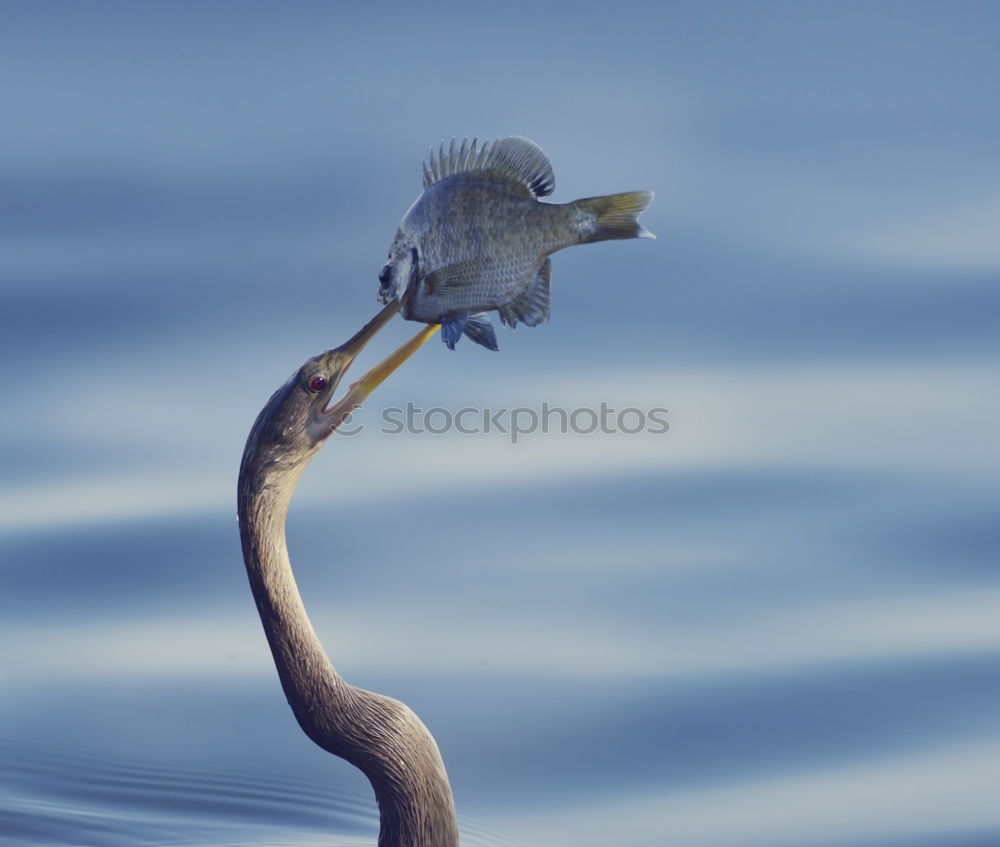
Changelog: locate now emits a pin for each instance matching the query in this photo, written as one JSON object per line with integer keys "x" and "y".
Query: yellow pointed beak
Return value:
{"x": 368, "y": 331}
{"x": 359, "y": 390}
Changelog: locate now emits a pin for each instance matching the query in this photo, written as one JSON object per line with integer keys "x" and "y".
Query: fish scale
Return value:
{"x": 478, "y": 238}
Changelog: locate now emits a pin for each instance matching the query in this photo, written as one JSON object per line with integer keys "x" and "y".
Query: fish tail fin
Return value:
{"x": 614, "y": 216}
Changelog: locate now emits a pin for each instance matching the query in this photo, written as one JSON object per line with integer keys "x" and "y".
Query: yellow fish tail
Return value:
{"x": 615, "y": 216}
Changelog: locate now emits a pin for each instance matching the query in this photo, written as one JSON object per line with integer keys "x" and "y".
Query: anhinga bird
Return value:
{"x": 377, "y": 734}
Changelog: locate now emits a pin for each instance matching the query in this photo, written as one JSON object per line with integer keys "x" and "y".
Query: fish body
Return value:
{"x": 479, "y": 238}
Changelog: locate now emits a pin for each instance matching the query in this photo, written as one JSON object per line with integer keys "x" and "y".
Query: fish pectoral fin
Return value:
{"x": 454, "y": 277}
{"x": 478, "y": 328}
{"x": 452, "y": 328}
{"x": 532, "y": 305}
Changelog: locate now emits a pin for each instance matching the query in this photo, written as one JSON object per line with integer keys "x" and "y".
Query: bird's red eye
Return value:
{"x": 317, "y": 382}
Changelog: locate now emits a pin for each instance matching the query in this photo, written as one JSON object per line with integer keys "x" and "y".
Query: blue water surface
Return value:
{"x": 778, "y": 623}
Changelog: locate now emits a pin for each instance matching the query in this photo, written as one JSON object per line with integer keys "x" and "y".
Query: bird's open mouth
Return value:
{"x": 335, "y": 413}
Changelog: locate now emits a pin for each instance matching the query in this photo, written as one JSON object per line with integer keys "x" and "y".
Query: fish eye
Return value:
{"x": 317, "y": 382}
{"x": 384, "y": 274}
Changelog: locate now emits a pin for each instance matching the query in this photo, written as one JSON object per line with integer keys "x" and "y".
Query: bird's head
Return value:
{"x": 301, "y": 415}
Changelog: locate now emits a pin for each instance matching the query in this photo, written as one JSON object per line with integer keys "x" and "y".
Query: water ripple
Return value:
{"x": 72, "y": 799}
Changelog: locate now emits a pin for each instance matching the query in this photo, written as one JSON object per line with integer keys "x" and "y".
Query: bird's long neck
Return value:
{"x": 377, "y": 734}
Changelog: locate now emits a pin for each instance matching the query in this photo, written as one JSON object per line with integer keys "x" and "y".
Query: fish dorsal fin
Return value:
{"x": 515, "y": 158}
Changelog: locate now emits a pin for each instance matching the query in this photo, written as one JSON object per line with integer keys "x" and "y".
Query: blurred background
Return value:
{"x": 777, "y": 624}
